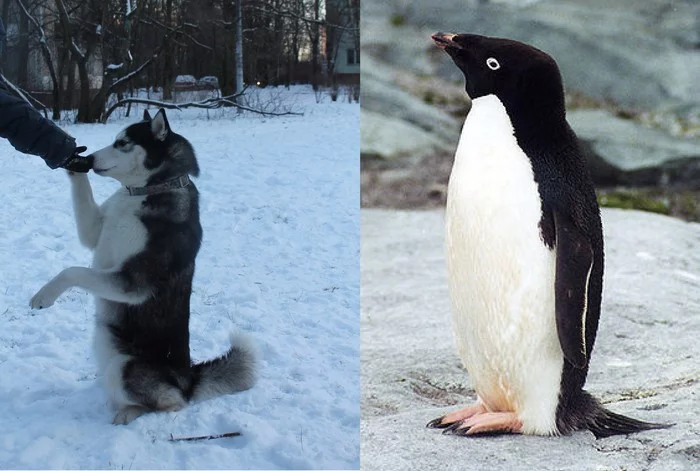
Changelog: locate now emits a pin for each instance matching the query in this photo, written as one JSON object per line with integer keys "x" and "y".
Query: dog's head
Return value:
{"x": 146, "y": 152}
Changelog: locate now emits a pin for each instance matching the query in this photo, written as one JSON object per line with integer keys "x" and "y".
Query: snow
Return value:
{"x": 279, "y": 262}
{"x": 114, "y": 66}
{"x": 185, "y": 79}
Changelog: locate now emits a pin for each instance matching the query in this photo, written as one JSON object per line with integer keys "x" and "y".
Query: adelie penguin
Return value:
{"x": 524, "y": 250}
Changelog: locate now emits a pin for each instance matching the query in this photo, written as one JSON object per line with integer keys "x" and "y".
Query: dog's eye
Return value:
{"x": 492, "y": 64}
{"x": 120, "y": 143}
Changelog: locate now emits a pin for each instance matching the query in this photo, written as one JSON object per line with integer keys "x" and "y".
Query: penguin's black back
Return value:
{"x": 564, "y": 185}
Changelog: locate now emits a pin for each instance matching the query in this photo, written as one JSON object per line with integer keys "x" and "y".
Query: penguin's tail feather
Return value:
{"x": 607, "y": 423}
{"x": 584, "y": 412}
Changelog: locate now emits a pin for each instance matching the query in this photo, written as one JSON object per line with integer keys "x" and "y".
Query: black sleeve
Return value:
{"x": 31, "y": 133}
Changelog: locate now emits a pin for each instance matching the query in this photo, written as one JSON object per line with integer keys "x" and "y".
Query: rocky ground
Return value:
{"x": 422, "y": 184}
{"x": 646, "y": 361}
{"x": 630, "y": 70}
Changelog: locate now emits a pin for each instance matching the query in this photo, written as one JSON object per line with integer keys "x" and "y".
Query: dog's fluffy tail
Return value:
{"x": 232, "y": 372}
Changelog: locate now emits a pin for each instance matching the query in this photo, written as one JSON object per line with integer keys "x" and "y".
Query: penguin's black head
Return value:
{"x": 518, "y": 74}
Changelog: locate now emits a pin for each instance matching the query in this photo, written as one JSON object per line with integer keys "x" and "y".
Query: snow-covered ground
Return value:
{"x": 279, "y": 261}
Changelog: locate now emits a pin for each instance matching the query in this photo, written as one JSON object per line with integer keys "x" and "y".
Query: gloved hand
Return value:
{"x": 78, "y": 163}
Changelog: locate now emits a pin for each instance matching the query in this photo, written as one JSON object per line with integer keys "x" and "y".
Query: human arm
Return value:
{"x": 31, "y": 133}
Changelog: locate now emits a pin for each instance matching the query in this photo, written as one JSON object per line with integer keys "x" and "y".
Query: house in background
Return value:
{"x": 343, "y": 41}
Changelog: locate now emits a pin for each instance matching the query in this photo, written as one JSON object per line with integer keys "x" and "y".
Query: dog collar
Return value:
{"x": 180, "y": 182}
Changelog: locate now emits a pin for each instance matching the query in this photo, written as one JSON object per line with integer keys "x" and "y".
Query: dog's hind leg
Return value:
{"x": 128, "y": 413}
{"x": 88, "y": 216}
{"x": 147, "y": 388}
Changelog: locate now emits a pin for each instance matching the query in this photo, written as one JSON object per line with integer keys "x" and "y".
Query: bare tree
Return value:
{"x": 46, "y": 52}
{"x": 110, "y": 48}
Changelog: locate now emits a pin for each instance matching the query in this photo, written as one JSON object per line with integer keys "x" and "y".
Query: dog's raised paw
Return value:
{"x": 42, "y": 300}
{"x": 48, "y": 294}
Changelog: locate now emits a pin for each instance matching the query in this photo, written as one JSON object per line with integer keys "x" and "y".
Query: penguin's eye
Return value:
{"x": 492, "y": 64}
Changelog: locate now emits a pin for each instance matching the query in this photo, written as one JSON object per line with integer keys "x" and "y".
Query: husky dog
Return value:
{"x": 145, "y": 238}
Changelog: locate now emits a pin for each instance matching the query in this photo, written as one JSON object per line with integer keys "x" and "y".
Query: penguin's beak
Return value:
{"x": 444, "y": 40}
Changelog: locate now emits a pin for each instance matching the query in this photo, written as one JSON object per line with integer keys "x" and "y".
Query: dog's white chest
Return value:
{"x": 501, "y": 275}
{"x": 123, "y": 233}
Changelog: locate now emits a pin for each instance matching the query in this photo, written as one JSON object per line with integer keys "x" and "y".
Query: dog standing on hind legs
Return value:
{"x": 145, "y": 239}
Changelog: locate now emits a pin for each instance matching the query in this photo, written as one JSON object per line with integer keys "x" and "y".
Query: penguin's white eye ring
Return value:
{"x": 492, "y": 63}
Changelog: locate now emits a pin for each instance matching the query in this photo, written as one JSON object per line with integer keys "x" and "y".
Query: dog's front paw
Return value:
{"x": 45, "y": 297}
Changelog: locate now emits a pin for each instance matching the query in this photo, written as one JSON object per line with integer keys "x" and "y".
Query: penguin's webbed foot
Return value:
{"x": 487, "y": 423}
{"x": 457, "y": 416}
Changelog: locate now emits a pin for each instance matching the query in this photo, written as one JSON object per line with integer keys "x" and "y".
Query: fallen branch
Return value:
{"x": 203, "y": 437}
{"x": 266, "y": 113}
{"x": 209, "y": 104}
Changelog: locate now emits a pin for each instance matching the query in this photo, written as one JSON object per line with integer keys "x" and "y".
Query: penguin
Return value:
{"x": 524, "y": 244}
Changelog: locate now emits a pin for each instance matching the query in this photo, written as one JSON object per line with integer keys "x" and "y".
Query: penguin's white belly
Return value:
{"x": 501, "y": 275}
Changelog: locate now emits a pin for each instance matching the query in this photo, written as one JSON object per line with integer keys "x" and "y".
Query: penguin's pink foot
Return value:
{"x": 457, "y": 416}
{"x": 489, "y": 423}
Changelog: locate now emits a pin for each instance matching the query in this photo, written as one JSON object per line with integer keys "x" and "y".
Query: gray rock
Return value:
{"x": 624, "y": 152}
{"x": 628, "y": 145}
{"x": 387, "y": 137}
{"x": 646, "y": 362}
{"x": 404, "y": 47}
{"x": 683, "y": 174}
{"x": 640, "y": 55}
{"x": 414, "y": 124}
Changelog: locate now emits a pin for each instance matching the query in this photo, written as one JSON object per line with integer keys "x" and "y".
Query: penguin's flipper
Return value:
{"x": 573, "y": 272}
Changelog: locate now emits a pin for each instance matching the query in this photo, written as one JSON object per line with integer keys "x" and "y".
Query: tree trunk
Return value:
{"x": 23, "y": 53}
{"x": 278, "y": 45}
{"x": 70, "y": 86}
{"x": 228, "y": 72}
{"x": 85, "y": 113}
{"x": 294, "y": 64}
{"x": 315, "y": 50}
{"x": 4, "y": 15}
{"x": 168, "y": 73}
{"x": 239, "y": 46}
{"x": 64, "y": 65}
{"x": 84, "y": 104}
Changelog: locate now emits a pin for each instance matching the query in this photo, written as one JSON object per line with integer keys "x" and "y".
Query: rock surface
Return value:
{"x": 639, "y": 59}
{"x": 639, "y": 54}
{"x": 396, "y": 123}
{"x": 388, "y": 137}
{"x": 626, "y": 144}
{"x": 646, "y": 362}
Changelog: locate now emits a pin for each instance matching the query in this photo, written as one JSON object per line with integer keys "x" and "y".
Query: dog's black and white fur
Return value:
{"x": 144, "y": 257}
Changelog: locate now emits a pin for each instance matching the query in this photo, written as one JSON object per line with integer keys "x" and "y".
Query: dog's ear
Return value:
{"x": 159, "y": 125}
{"x": 146, "y": 116}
